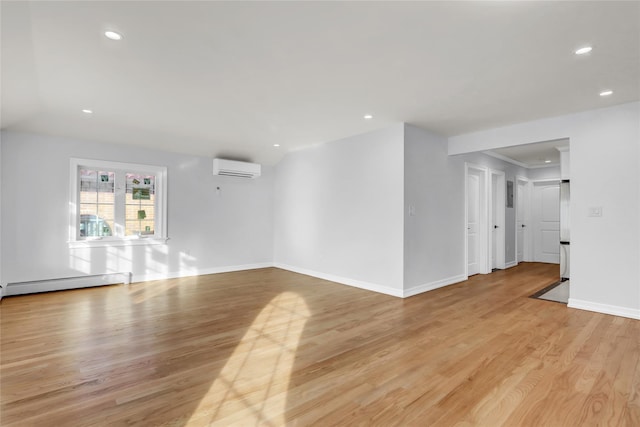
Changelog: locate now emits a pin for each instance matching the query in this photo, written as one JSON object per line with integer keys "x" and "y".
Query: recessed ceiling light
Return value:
{"x": 606, "y": 93}
{"x": 113, "y": 35}
{"x": 368, "y": 116}
{"x": 583, "y": 50}
{"x": 276, "y": 145}
{"x": 87, "y": 111}
{"x": 547, "y": 161}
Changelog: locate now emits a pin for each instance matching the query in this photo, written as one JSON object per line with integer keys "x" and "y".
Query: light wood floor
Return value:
{"x": 270, "y": 347}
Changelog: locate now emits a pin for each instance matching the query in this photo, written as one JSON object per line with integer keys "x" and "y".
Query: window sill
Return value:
{"x": 98, "y": 243}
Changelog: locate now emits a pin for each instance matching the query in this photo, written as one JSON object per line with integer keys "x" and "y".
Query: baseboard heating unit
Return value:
{"x": 48, "y": 285}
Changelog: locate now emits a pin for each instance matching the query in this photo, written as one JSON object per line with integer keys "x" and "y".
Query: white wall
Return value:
{"x": 434, "y": 193}
{"x": 339, "y": 214}
{"x": 208, "y": 232}
{"x": 1, "y": 224}
{"x": 605, "y": 251}
{"x": 540, "y": 174}
{"x": 605, "y": 165}
{"x": 339, "y": 210}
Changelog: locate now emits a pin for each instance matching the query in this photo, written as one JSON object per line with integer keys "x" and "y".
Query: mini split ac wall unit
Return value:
{"x": 235, "y": 168}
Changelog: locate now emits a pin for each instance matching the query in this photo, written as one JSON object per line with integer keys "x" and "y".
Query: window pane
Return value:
{"x": 105, "y": 197}
{"x": 105, "y": 212}
{"x": 97, "y": 203}
{"x": 88, "y": 193}
{"x": 140, "y": 204}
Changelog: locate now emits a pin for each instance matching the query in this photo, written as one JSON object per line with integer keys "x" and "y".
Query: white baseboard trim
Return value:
{"x": 604, "y": 308}
{"x": 48, "y": 285}
{"x": 433, "y": 285}
{"x": 199, "y": 272}
{"x": 343, "y": 280}
{"x": 510, "y": 264}
{"x": 36, "y": 286}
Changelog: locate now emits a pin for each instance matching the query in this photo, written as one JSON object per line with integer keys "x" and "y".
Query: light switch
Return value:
{"x": 412, "y": 210}
{"x": 595, "y": 211}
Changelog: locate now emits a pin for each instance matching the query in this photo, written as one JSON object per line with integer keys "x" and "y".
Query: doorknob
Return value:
{"x": 523, "y": 226}
{"x": 495, "y": 226}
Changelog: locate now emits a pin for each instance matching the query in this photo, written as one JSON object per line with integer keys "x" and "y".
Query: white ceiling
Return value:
{"x": 234, "y": 78}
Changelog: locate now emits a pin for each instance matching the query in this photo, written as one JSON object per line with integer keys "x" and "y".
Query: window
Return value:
{"x": 116, "y": 203}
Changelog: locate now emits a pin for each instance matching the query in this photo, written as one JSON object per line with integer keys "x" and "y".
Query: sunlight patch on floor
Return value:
{"x": 252, "y": 387}
{"x": 145, "y": 291}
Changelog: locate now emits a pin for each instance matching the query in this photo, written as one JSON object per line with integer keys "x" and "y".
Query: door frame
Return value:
{"x": 526, "y": 217}
{"x": 483, "y": 255}
{"x": 497, "y": 203}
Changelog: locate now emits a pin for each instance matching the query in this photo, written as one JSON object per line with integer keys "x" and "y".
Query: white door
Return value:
{"x": 473, "y": 224}
{"x": 494, "y": 222}
{"x": 546, "y": 222}
{"x": 522, "y": 208}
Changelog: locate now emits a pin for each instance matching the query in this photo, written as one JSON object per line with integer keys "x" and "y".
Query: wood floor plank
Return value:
{"x": 271, "y": 347}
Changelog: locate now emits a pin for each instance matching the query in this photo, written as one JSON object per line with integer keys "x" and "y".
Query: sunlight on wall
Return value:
{"x": 80, "y": 260}
{"x": 155, "y": 260}
{"x": 140, "y": 260}
{"x": 187, "y": 264}
{"x": 252, "y": 387}
{"x": 119, "y": 258}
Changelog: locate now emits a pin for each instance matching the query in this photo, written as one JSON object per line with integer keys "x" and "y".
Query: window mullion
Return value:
{"x": 120, "y": 197}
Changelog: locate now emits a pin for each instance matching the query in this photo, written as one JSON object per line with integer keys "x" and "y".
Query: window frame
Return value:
{"x": 118, "y": 239}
